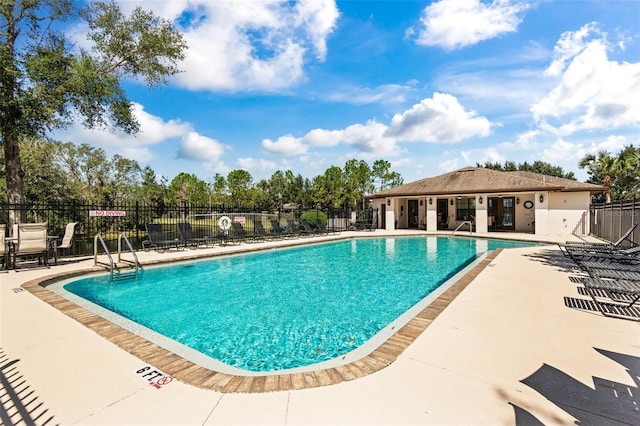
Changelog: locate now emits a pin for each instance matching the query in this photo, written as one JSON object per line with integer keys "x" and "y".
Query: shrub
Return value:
{"x": 311, "y": 215}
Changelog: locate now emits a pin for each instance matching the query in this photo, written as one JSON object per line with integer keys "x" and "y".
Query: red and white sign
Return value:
{"x": 239, "y": 219}
{"x": 105, "y": 213}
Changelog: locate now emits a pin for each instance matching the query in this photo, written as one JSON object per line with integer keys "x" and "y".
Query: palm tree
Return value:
{"x": 602, "y": 169}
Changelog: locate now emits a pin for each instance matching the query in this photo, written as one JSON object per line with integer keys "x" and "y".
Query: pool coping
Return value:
{"x": 188, "y": 372}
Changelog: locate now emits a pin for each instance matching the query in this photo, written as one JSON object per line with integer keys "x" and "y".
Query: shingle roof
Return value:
{"x": 481, "y": 180}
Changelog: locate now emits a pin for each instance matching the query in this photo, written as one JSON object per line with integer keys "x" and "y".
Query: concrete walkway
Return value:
{"x": 506, "y": 351}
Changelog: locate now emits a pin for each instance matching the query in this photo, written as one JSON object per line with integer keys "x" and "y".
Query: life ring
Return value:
{"x": 224, "y": 223}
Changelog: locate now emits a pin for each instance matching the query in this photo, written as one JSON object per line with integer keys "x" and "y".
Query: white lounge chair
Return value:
{"x": 67, "y": 241}
{"x": 32, "y": 241}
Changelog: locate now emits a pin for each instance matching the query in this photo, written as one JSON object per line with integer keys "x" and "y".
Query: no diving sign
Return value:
{"x": 156, "y": 378}
{"x": 107, "y": 213}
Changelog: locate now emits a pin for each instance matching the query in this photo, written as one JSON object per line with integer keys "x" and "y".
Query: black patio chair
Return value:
{"x": 597, "y": 246}
{"x": 260, "y": 233}
{"x": 239, "y": 234}
{"x": 186, "y": 235}
{"x": 157, "y": 239}
{"x": 294, "y": 229}
{"x": 279, "y": 231}
{"x": 306, "y": 228}
{"x": 326, "y": 229}
{"x": 624, "y": 293}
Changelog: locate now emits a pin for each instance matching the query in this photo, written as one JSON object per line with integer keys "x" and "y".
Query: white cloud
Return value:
{"x": 153, "y": 130}
{"x": 368, "y": 137}
{"x": 563, "y": 152}
{"x": 570, "y": 45}
{"x": 194, "y": 146}
{"x": 387, "y": 93}
{"x": 249, "y": 45}
{"x": 592, "y": 92}
{"x": 449, "y": 165}
{"x": 258, "y": 166}
{"x": 285, "y": 145}
{"x": 452, "y": 24}
{"x": 440, "y": 119}
{"x": 613, "y": 144}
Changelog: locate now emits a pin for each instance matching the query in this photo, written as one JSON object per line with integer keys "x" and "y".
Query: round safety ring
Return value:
{"x": 224, "y": 223}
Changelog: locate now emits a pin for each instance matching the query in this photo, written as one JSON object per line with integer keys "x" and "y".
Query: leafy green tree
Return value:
{"x": 329, "y": 189}
{"x": 359, "y": 179}
{"x": 45, "y": 180}
{"x": 627, "y": 183}
{"x": 305, "y": 199}
{"x": 385, "y": 177}
{"x": 219, "y": 190}
{"x": 125, "y": 179}
{"x": 47, "y": 81}
{"x": 619, "y": 174}
{"x": 263, "y": 199}
{"x": 240, "y": 184}
{"x": 537, "y": 167}
{"x": 87, "y": 170}
{"x": 277, "y": 189}
{"x": 151, "y": 191}
{"x": 188, "y": 188}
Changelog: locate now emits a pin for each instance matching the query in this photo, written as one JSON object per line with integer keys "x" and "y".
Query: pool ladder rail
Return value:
{"x": 466, "y": 222}
{"x": 115, "y": 268}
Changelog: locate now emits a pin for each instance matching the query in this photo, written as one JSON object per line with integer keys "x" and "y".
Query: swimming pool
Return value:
{"x": 287, "y": 308}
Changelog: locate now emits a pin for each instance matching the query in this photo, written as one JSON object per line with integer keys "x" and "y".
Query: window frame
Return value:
{"x": 468, "y": 211}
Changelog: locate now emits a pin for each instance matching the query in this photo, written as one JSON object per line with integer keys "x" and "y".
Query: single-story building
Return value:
{"x": 488, "y": 201}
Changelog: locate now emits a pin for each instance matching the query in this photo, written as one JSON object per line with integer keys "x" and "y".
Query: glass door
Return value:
{"x": 443, "y": 213}
{"x": 501, "y": 213}
{"x": 412, "y": 206}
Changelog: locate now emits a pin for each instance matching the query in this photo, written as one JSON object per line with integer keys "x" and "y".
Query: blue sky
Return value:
{"x": 428, "y": 86}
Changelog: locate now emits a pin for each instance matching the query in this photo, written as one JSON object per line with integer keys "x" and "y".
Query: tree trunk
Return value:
{"x": 607, "y": 184}
{"x": 15, "y": 178}
{"x": 10, "y": 117}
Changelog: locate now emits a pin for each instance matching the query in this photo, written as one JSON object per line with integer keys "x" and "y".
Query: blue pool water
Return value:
{"x": 287, "y": 308}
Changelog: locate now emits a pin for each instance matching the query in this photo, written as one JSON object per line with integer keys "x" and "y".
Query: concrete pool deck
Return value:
{"x": 506, "y": 350}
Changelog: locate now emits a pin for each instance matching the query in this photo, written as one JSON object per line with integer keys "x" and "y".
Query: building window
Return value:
{"x": 466, "y": 208}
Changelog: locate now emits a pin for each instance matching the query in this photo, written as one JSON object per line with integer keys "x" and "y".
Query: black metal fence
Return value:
{"x": 611, "y": 221}
{"x": 130, "y": 218}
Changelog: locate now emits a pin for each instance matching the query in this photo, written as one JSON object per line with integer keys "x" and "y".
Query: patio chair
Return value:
{"x": 613, "y": 271}
{"x": 239, "y": 234}
{"x": 306, "y": 229}
{"x": 590, "y": 265}
{"x": 626, "y": 293}
{"x": 4, "y": 250}
{"x": 629, "y": 255}
{"x": 323, "y": 228}
{"x": 32, "y": 241}
{"x": 362, "y": 226}
{"x": 293, "y": 228}
{"x": 156, "y": 239}
{"x": 597, "y": 246}
{"x": 67, "y": 241}
{"x": 260, "y": 232}
{"x": 278, "y": 230}
{"x": 186, "y": 236}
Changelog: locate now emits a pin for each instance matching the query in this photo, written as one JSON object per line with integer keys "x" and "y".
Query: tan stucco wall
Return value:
{"x": 568, "y": 213}
{"x": 563, "y": 213}
{"x": 525, "y": 217}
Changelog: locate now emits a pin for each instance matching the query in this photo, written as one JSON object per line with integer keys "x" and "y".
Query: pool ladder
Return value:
{"x": 466, "y": 222}
{"x": 115, "y": 267}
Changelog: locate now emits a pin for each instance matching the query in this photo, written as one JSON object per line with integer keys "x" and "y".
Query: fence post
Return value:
{"x": 137, "y": 221}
